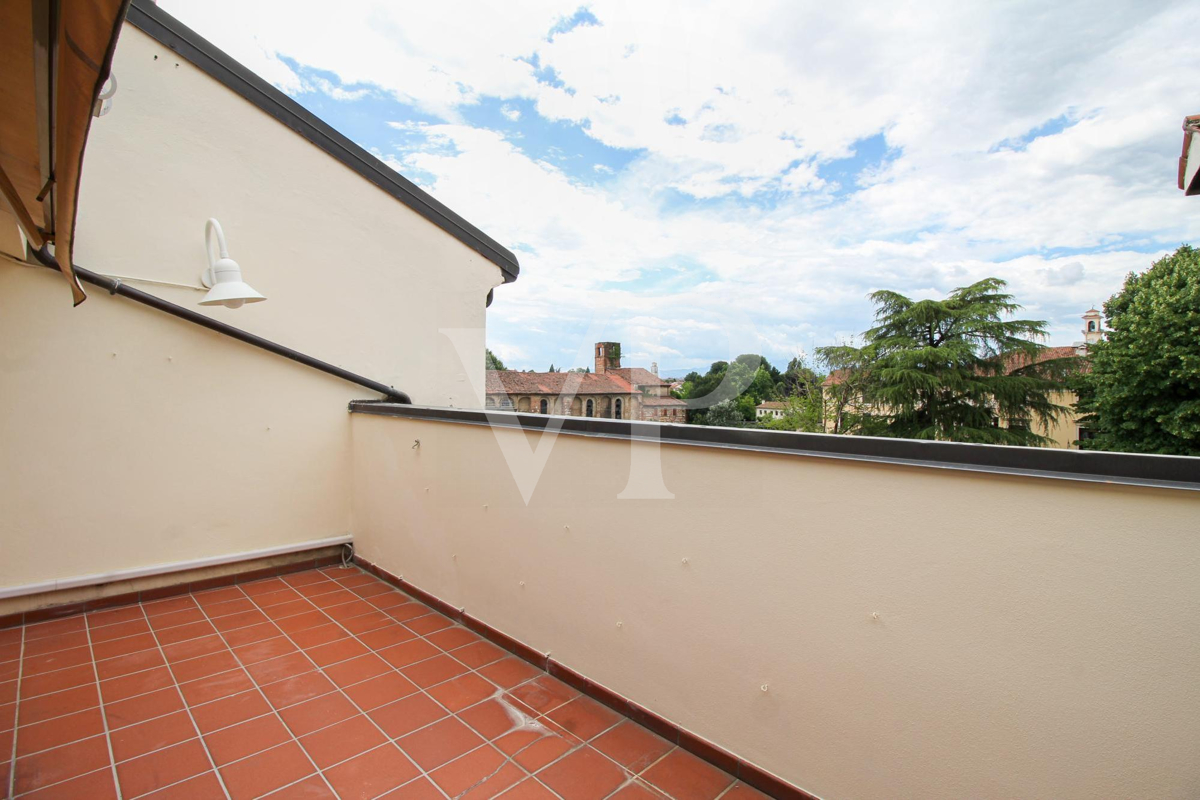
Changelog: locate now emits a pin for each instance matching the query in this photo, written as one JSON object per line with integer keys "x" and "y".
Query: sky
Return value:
{"x": 699, "y": 180}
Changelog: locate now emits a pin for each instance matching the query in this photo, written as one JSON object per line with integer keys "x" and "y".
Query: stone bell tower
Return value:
{"x": 608, "y": 356}
{"x": 1093, "y": 329}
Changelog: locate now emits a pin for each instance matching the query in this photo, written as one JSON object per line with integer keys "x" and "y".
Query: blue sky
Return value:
{"x": 697, "y": 181}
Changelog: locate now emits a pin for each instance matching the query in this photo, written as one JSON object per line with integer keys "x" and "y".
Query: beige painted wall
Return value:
{"x": 131, "y": 438}
{"x": 1036, "y": 638}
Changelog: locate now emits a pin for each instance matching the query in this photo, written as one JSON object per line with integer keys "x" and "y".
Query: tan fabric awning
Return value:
{"x": 54, "y": 59}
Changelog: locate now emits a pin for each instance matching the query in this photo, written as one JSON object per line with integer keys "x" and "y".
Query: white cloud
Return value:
{"x": 731, "y": 109}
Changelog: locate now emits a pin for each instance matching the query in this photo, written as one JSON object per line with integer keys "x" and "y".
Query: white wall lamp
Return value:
{"x": 223, "y": 278}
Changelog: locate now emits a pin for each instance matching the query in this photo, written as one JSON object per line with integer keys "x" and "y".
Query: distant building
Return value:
{"x": 769, "y": 409}
{"x": 611, "y": 392}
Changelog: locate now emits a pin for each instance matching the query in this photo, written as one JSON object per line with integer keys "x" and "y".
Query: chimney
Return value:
{"x": 608, "y": 356}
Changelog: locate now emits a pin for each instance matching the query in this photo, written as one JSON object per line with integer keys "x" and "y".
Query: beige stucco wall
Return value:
{"x": 131, "y": 438}
{"x": 1036, "y": 638}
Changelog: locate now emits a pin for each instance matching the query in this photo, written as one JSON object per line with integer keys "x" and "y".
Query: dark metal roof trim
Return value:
{"x": 1165, "y": 472}
{"x": 172, "y": 33}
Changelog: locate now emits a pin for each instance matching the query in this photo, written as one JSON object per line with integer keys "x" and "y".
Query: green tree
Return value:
{"x": 948, "y": 369}
{"x": 725, "y": 413}
{"x": 801, "y": 412}
{"x": 492, "y": 361}
{"x": 1142, "y": 393}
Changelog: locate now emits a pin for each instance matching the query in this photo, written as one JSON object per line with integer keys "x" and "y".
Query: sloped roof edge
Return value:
{"x": 215, "y": 63}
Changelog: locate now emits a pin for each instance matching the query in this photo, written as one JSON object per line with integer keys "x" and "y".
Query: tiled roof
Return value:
{"x": 663, "y": 401}
{"x": 512, "y": 382}
{"x": 771, "y": 404}
{"x": 638, "y": 376}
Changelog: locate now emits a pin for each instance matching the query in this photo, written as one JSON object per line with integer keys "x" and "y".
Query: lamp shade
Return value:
{"x": 223, "y": 278}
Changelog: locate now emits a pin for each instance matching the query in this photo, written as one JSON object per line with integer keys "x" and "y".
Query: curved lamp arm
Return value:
{"x": 209, "y": 227}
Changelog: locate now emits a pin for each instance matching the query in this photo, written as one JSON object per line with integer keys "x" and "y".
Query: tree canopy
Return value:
{"x": 1142, "y": 393}
{"x": 951, "y": 369}
{"x": 492, "y": 361}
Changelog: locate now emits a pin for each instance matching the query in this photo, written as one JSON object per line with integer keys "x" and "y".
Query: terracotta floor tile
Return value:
{"x": 251, "y": 634}
{"x": 182, "y": 633}
{"x": 428, "y": 624}
{"x": 52, "y": 644}
{"x": 120, "y": 647}
{"x": 419, "y": 789}
{"x": 381, "y": 690}
{"x": 254, "y": 589}
{"x": 392, "y": 634}
{"x": 142, "y": 707}
{"x": 135, "y": 740}
{"x": 271, "y": 599}
{"x": 311, "y": 715}
{"x": 343, "y": 740}
{"x": 478, "y": 654}
{"x": 129, "y": 663}
{"x": 264, "y": 650}
{"x": 290, "y": 608}
{"x": 490, "y": 718}
{"x": 56, "y": 681}
{"x": 442, "y": 741}
{"x": 51, "y": 766}
{"x": 318, "y": 635}
{"x": 204, "y": 786}
{"x": 58, "y": 731}
{"x": 367, "y": 622}
{"x": 538, "y": 753}
{"x": 361, "y": 579}
{"x": 508, "y": 672}
{"x": 356, "y": 670}
{"x": 61, "y": 659}
{"x": 157, "y": 769}
{"x": 194, "y": 648}
{"x": 174, "y": 619}
{"x": 222, "y": 595}
{"x": 741, "y": 791}
{"x": 585, "y": 718}
{"x": 371, "y": 773}
{"x": 461, "y": 692}
{"x": 119, "y": 631}
{"x": 685, "y": 777}
{"x": 453, "y": 638}
{"x": 632, "y": 746}
{"x": 529, "y": 789}
{"x": 279, "y": 668}
{"x": 12, "y": 651}
{"x": 407, "y": 653}
{"x": 98, "y": 785}
{"x": 386, "y": 600}
{"x": 241, "y": 604}
{"x": 230, "y": 710}
{"x": 242, "y": 619}
{"x": 305, "y": 578}
{"x": 407, "y": 611}
{"x": 41, "y": 630}
{"x": 290, "y": 691}
{"x": 246, "y": 739}
{"x": 214, "y": 687}
{"x": 544, "y": 694}
{"x": 311, "y": 788}
{"x": 483, "y": 771}
{"x": 635, "y": 790}
{"x": 346, "y": 611}
{"x": 158, "y": 607}
{"x": 149, "y": 680}
{"x": 261, "y": 773}
{"x": 406, "y": 715}
{"x": 340, "y": 573}
{"x": 342, "y": 650}
{"x": 331, "y": 599}
{"x": 48, "y": 706}
{"x": 111, "y": 616}
{"x": 309, "y": 619}
{"x": 433, "y": 671}
{"x": 196, "y": 668}
{"x": 8, "y": 719}
{"x": 583, "y": 775}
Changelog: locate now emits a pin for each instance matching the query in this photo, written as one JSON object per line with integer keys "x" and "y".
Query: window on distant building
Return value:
{"x": 506, "y": 403}
{"x": 590, "y": 408}
{"x": 1085, "y": 434}
{"x": 617, "y": 412}
{"x": 543, "y": 406}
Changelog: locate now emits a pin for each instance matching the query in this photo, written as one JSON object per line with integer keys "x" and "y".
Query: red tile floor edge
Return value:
{"x": 747, "y": 772}
{"x": 322, "y": 683}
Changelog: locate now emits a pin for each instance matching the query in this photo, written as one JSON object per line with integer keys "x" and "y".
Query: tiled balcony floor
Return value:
{"x": 317, "y": 684}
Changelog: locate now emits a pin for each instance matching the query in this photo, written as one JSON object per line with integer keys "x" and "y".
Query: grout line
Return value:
{"x": 294, "y": 739}
{"x": 186, "y": 708}
{"x": 12, "y": 764}
{"x": 112, "y": 761}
